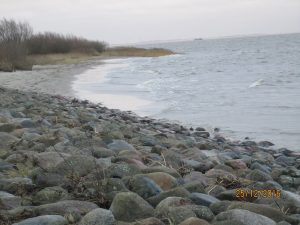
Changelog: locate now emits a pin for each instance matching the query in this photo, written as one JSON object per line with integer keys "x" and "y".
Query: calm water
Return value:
{"x": 247, "y": 87}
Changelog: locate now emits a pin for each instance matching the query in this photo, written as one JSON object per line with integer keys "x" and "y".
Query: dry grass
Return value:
{"x": 76, "y": 57}
{"x": 54, "y": 59}
{"x": 136, "y": 52}
{"x": 20, "y": 171}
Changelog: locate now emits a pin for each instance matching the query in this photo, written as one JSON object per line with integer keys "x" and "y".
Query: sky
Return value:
{"x": 134, "y": 21}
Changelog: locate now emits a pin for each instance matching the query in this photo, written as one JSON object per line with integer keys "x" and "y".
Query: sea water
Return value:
{"x": 246, "y": 86}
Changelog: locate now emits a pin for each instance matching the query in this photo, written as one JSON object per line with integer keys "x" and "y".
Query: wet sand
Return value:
{"x": 70, "y": 80}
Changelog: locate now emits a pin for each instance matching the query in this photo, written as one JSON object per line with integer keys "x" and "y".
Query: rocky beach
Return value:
{"x": 69, "y": 161}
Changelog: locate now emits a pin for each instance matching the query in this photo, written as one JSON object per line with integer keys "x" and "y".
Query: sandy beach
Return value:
{"x": 68, "y": 80}
{"x": 50, "y": 79}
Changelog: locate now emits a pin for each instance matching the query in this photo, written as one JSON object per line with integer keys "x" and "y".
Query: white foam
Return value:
{"x": 256, "y": 83}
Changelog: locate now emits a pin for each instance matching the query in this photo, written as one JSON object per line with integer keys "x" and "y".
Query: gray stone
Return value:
{"x": 143, "y": 186}
{"x": 98, "y": 217}
{"x": 46, "y": 179}
{"x": 285, "y": 161}
{"x": 75, "y": 165}
{"x": 49, "y": 160}
{"x": 120, "y": 145}
{"x": 195, "y": 186}
{"x": 100, "y": 152}
{"x": 27, "y": 123}
{"x": 128, "y": 207}
{"x": 228, "y": 222}
{"x": 287, "y": 181}
{"x": 175, "y": 192}
{"x": 44, "y": 220}
{"x": 9, "y": 201}
{"x": 179, "y": 214}
{"x": 263, "y": 168}
{"x": 66, "y": 207}
{"x": 164, "y": 180}
{"x": 283, "y": 223}
{"x": 50, "y": 195}
{"x": 17, "y": 184}
{"x": 121, "y": 170}
{"x": 203, "y": 199}
{"x": 246, "y": 217}
{"x": 202, "y": 212}
{"x": 219, "y": 207}
{"x": 162, "y": 208}
{"x": 194, "y": 221}
{"x": 4, "y": 166}
{"x": 258, "y": 175}
{"x": 6, "y": 140}
{"x": 7, "y": 127}
{"x": 265, "y": 210}
{"x": 32, "y": 137}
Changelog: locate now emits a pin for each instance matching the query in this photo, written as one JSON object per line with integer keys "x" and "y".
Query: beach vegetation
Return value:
{"x": 53, "y": 43}
{"x": 136, "y": 52}
{"x": 21, "y": 48}
{"x": 14, "y": 37}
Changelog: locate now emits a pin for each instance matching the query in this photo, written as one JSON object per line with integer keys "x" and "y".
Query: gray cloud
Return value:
{"x": 124, "y": 21}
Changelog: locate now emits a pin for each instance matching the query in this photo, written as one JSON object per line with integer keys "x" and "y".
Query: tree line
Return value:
{"x": 17, "y": 41}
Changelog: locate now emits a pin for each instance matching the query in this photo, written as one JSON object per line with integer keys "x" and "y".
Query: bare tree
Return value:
{"x": 13, "y": 44}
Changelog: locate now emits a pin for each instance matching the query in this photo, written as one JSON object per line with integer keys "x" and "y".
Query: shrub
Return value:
{"x": 48, "y": 43}
{"x": 13, "y": 44}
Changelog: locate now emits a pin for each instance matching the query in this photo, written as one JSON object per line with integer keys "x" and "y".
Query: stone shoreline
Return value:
{"x": 67, "y": 161}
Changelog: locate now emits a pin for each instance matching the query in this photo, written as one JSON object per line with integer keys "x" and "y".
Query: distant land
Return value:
{"x": 163, "y": 41}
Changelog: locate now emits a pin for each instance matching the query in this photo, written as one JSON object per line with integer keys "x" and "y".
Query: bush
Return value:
{"x": 48, "y": 43}
{"x": 13, "y": 44}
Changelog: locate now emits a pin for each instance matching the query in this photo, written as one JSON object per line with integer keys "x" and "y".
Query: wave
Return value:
{"x": 256, "y": 83}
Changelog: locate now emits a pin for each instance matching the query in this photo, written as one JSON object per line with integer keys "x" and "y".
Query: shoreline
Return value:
{"x": 98, "y": 75}
{"x": 60, "y": 80}
{"x": 124, "y": 167}
{"x": 55, "y": 79}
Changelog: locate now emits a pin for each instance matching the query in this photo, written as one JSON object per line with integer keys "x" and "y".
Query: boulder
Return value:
{"x": 42, "y": 178}
{"x": 203, "y": 199}
{"x": 15, "y": 185}
{"x": 6, "y": 140}
{"x": 175, "y": 192}
{"x": 49, "y": 160}
{"x": 100, "y": 152}
{"x": 66, "y": 207}
{"x": 265, "y": 210}
{"x": 199, "y": 177}
{"x": 98, "y": 217}
{"x": 148, "y": 221}
{"x": 75, "y": 165}
{"x": 236, "y": 164}
{"x": 164, "y": 180}
{"x": 258, "y": 175}
{"x": 162, "y": 208}
{"x": 9, "y": 201}
{"x": 162, "y": 169}
{"x": 228, "y": 222}
{"x": 27, "y": 123}
{"x": 121, "y": 170}
{"x": 50, "y": 195}
{"x": 7, "y": 127}
{"x": 143, "y": 186}
{"x": 128, "y": 207}
{"x": 219, "y": 206}
{"x": 120, "y": 145}
{"x": 44, "y": 220}
{"x": 244, "y": 216}
{"x": 194, "y": 221}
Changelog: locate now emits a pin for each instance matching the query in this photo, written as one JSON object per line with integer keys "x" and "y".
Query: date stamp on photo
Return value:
{"x": 257, "y": 193}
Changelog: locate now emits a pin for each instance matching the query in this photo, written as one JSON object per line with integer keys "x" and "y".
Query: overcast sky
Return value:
{"x": 131, "y": 21}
